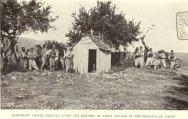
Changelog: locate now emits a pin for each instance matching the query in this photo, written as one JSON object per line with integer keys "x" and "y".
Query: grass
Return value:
{"x": 127, "y": 89}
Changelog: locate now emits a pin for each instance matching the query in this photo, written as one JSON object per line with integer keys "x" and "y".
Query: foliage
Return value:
{"x": 18, "y": 18}
{"x": 106, "y": 22}
{"x": 60, "y": 46}
{"x": 163, "y": 51}
{"x": 38, "y": 49}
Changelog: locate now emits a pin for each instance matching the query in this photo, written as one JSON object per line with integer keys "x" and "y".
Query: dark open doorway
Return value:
{"x": 92, "y": 61}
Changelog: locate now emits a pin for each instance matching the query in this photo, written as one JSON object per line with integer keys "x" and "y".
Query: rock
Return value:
{"x": 59, "y": 76}
{"x": 18, "y": 73}
{"x": 9, "y": 75}
{"x": 49, "y": 73}
{"x": 13, "y": 78}
{"x": 20, "y": 97}
{"x": 20, "y": 77}
{"x": 114, "y": 74}
{"x": 93, "y": 79}
{"x": 43, "y": 74}
{"x": 26, "y": 73}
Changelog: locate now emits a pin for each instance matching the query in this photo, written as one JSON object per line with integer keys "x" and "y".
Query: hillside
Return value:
{"x": 129, "y": 89}
{"x": 184, "y": 58}
{"x": 28, "y": 43}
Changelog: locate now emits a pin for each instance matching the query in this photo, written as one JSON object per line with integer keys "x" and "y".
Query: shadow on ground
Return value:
{"x": 181, "y": 90}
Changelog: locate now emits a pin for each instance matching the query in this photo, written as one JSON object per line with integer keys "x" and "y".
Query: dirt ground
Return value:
{"x": 129, "y": 89}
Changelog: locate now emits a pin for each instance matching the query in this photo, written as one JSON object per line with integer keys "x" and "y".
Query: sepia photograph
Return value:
{"x": 94, "y": 54}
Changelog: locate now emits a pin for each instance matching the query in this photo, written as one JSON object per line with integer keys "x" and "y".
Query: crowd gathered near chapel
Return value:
{"x": 53, "y": 59}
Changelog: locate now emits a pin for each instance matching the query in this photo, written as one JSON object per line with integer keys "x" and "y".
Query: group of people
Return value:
{"x": 153, "y": 60}
{"x": 49, "y": 58}
{"x": 55, "y": 59}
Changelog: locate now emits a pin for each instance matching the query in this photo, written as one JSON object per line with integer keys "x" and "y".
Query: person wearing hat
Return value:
{"x": 172, "y": 59}
{"x": 24, "y": 60}
{"x": 69, "y": 59}
{"x": 32, "y": 62}
{"x": 52, "y": 56}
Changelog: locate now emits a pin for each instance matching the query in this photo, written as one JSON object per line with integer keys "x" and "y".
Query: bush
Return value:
{"x": 59, "y": 45}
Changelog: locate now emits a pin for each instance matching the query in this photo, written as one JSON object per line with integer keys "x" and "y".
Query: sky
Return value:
{"x": 161, "y": 13}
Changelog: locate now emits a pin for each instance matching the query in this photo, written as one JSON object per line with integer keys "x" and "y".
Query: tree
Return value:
{"x": 59, "y": 45}
{"x": 18, "y": 18}
{"x": 106, "y": 22}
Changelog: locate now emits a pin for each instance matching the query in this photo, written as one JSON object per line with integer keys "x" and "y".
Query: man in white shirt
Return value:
{"x": 139, "y": 59}
{"x": 172, "y": 59}
{"x": 150, "y": 55}
{"x": 162, "y": 58}
{"x": 69, "y": 59}
{"x": 32, "y": 62}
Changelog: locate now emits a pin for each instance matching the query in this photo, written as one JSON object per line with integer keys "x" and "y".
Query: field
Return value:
{"x": 128, "y": 89}
{"x": 184, "y": 58}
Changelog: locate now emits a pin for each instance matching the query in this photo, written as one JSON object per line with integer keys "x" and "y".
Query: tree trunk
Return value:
{"x": 9, "y": 60}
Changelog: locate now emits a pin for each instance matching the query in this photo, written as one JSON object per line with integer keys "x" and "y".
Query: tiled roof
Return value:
{"x": 99, "y": 42}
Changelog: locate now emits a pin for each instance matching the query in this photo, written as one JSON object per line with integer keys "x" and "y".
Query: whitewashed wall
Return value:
{"x": 103, "y": 61}
{"x": 81, "y": 52}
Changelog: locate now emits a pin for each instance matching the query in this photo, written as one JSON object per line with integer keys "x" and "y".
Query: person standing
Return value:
{"x": 57, "y": 59}
{"x": 32, "y": 62}
{"x": 24, "y": 60}
{"x": 27, "y": 52}
{"x": 136, "y": 56}
{"x": 18, "y": 55}
{"x": 162, "y": 58}
{"x": 146, "y": 50}
{"x": 172, "y": 59}
{"x": 62, "y": 59}
{"x": 52, "y": 58}
{"x": 149, "y": 61}
{"x": 44, "y": 56}
{"x": 140, "y": 58}
{"x": 69, "y": 59}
